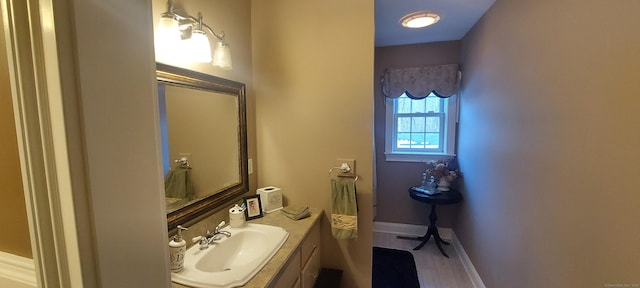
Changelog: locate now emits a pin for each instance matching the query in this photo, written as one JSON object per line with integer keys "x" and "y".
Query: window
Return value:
{"x": 418, "y": 130}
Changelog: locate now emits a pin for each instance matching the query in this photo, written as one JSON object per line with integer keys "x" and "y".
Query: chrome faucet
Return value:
{"x": 208, "y": 239}
{"x": 217, "y": 234}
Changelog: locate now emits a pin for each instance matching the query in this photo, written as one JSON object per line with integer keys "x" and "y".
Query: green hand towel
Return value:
{"x": 178, "y": 185}
{"x": 296, "y": 212}
{"x": 344, "y": 208}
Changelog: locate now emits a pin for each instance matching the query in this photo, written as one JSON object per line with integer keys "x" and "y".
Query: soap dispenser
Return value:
{"x": 177, "y": 247}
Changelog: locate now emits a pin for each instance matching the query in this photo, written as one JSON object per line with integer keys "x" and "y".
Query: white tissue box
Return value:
{"x": 270, "y": 198}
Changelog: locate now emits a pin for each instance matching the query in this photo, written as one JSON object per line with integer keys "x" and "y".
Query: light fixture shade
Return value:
{"x": 419, "y": 19}
{"x": 199, "y": 49}
{"x": 167, "y": 36}
{"x": 222, "y": 56}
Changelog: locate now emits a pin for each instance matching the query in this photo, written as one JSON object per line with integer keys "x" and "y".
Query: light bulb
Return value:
{"x": 167, "y": 37}
{"x": 222, "y": 56}
{"x": 199, "y": 49}
{"x": 419, "y": 19}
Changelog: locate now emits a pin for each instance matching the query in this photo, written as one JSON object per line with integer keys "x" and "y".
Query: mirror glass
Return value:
{"x": 203, "y": 133}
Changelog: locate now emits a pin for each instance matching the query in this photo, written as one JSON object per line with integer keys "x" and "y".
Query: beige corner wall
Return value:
{"x": 13, "y": 215}
{"x": 108, "y": 84}
{"x": 393, "y": 203}
{"x": 313, "y": 72}
{"x": 234, "y": 18}
{"x": 549, "y": 144}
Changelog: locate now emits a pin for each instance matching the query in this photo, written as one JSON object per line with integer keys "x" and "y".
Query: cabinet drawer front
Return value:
{"x": 289, "y": 277}
{"x": 311, "y": 271}
{"x": 310, "y": 242}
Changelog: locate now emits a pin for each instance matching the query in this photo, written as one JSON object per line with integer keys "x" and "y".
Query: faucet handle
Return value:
{"x": 219, "y": 227}
{"x": 203, "y": 241}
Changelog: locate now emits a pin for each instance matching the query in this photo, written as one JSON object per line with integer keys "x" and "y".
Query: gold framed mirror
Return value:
{"x": 204, "y": 141}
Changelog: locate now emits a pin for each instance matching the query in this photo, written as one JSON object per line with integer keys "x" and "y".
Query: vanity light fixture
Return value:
{"x": 180, "y": 34}
{"x": 419, "y": 19}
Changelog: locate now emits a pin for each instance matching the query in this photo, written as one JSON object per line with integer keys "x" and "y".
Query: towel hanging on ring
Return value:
{"x": 344, "y": 208}
{"x": 178, "y": 184}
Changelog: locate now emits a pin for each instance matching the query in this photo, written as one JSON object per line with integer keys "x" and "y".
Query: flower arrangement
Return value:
{"x": 443, "y": 169}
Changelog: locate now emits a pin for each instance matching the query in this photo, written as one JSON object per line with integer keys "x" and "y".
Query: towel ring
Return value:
{"x": 344, "y": 168}
{"x": 183, "y": 162}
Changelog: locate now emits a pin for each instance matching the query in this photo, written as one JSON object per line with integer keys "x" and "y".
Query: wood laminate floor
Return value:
{"x": 434, "y": 270}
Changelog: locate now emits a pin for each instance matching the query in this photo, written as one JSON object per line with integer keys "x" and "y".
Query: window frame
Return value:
{"x": 449, "y": 135}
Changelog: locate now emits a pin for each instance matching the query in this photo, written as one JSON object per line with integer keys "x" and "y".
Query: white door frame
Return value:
{"x": 38, "y": 105}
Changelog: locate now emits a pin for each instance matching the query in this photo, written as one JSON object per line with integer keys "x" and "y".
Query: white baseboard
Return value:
{"x": 466, "y": 263}
{"x": 445, "y": 233}
{"x": 408, "y": 229}
{"x": 17, "y": 271}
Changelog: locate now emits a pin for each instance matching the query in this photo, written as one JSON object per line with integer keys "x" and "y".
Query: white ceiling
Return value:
{"x": 456, "y": 18}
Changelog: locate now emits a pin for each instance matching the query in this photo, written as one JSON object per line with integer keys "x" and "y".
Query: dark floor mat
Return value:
{"x": 393, "y": 269}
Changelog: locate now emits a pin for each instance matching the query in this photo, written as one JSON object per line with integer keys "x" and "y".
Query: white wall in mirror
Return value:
{"x": 204, "y": 126}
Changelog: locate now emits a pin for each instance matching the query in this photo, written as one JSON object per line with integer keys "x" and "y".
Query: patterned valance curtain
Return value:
{"x": 419, "y": 82}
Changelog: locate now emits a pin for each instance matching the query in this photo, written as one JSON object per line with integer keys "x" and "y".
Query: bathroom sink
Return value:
{"x": 233, "y": 261}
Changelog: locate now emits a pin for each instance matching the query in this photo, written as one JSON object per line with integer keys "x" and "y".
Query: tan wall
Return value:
{"x": 13, "y": 215}
{"x": 394, "y": 178}
{"x": 313, "y": 64}
{"x": 549, "y": 144}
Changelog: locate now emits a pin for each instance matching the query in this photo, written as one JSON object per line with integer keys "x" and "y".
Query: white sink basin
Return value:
{"x": 232, "y": 261}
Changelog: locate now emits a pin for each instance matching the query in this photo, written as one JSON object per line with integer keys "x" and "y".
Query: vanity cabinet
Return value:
{"x": 290, "y": 275}
{"x": 310, "y": 252}
{"x": 303, "y": 267}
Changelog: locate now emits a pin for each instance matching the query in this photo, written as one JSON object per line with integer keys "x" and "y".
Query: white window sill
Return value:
{"x": 408, "y": 157}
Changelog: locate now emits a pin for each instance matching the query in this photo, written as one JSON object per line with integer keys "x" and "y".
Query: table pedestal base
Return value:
{"x": 431, "y": 231}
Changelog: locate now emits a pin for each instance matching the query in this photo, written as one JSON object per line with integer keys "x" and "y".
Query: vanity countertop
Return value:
{"x": 297, "y": 231}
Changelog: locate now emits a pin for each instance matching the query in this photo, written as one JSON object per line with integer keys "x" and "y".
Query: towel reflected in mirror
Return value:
{"x": 178, "y": 186}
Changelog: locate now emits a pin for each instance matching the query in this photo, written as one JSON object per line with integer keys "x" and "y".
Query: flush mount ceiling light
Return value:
{"x": 419, "y": 19}
{"x": 184, "y": 36}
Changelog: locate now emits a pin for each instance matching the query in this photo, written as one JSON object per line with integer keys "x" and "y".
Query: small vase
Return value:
{"x": 443, "y": 184}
